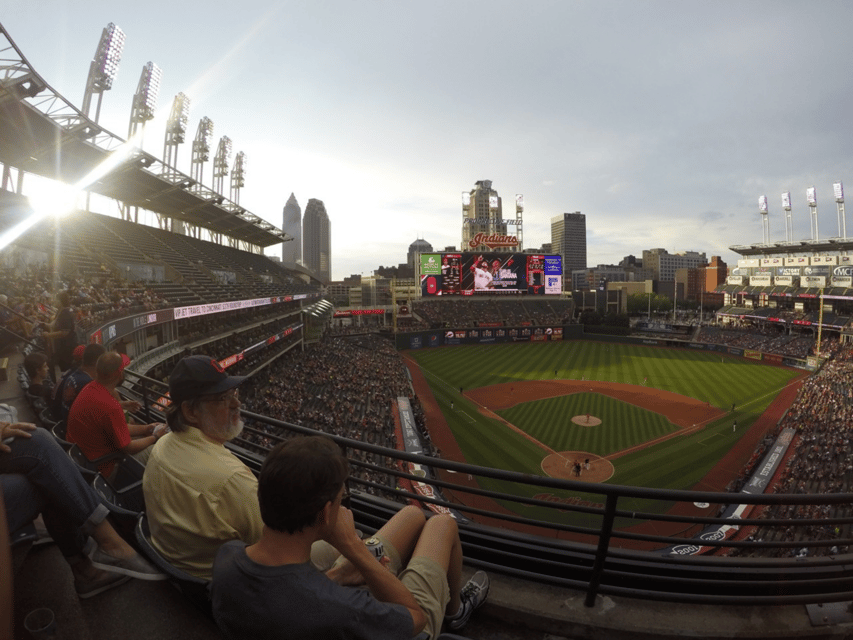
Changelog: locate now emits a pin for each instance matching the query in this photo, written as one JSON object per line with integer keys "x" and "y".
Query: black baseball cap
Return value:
{"x": 196, "y": 376}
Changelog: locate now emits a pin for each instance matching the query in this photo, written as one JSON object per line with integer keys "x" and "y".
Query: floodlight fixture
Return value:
{"x": 176, "y": 127}
{"x": 108, "y": 55}
{"x": 811, "y": 196}
{"x": 238, "y": 173}
{"x": 145, "y": 98}
{"x": 201, "y": 147}
{"x": 203, "y": 135}
{"x": 238, "y": 176}
{"x": 762, "y": 204}
{"x": 838, "y": 189}
{"x": 104, "y": 67}
{"x": 222, "y": 157}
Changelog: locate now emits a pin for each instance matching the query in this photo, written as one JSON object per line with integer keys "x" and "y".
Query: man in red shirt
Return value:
{"x": 96, "y": 421}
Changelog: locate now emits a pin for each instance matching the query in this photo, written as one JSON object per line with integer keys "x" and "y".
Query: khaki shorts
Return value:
{"x": 423, "y": 577}
{"x": 427, "y": 582}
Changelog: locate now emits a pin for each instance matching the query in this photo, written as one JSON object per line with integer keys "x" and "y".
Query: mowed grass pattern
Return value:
{"x": 622, "y": 425}
{"x": 677, "y": 463}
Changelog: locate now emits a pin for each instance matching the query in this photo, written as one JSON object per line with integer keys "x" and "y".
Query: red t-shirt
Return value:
{"x": 96, "y": 424}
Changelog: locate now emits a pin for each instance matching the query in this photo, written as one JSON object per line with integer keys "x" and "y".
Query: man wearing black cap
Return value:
{"x": 198, "y": 495}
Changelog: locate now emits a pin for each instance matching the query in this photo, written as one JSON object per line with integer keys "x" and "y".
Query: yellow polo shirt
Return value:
{"x": 198, "y": 495}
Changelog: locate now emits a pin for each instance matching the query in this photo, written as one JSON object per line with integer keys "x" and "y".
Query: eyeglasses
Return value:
{"x": 227, "y": 396}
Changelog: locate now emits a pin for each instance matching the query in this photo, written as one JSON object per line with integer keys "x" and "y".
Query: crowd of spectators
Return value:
{"x": 341, "y": 386}
{"x": 769, "y": 339}
{"x": 459, "y": 312}
{"x": 820, "y": 457}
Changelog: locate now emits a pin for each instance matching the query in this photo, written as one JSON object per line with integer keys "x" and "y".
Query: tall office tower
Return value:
{"x": 317, "y": 239}
{"x": 291, "y": 251}
{"x": 483, "y": 225}
{"x": 568, "y": 238}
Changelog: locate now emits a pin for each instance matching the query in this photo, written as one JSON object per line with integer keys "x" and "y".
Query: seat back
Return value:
{"x": 83, "y": 464}
{"x": 128, "y": 503}
{"x": 46, "y": 418}
{"x": 196, "y": 590}
{"x": 59, "y": 434}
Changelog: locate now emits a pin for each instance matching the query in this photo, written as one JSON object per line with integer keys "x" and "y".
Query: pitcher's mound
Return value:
{"x": 560, "y": 465}
{"x": 586, "y": 420}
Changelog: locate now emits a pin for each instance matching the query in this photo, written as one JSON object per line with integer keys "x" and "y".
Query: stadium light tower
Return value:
{"x": 838, "y": 188}
{"x": 765, "y": 217}
{"x": 238, "y": 177}
{"x": 220, "y": 164}
{"x": 201, "y": 148}
{"x": 176, "y": 131}
{"x": 519, "y": 215}
{"x": 811, "y": 196}
{"x": 145, "y": 99}
{"x": 103, "y": 69}
{"x": 789, "y": 222}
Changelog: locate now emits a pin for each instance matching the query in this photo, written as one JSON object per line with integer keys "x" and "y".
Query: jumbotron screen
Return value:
{"x": 472, "y": 274}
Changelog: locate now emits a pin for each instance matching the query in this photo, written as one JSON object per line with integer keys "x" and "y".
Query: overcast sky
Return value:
{"x": 663, "y": 122}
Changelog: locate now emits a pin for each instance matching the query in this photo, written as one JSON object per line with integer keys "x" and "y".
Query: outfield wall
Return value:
{"x": 557, "y": 333}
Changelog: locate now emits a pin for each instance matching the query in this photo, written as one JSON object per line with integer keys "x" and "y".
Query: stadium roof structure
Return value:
{"x": 43, "y": 133}
{"x": 799, "y": 246}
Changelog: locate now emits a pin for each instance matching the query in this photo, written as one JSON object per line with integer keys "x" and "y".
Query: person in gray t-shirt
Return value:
{"x": 271, "y": 590}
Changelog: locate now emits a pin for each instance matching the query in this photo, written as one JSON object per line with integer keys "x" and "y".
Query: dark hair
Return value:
{"x": 91, "y": 354}
{"x": 297, "y": 479}
{"x": 64, "y": 298}
{"x": 33, "y": 362}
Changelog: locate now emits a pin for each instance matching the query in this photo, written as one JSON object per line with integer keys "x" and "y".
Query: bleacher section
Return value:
{"x": 180, "y": 269}
{"x": 503, "y": 312}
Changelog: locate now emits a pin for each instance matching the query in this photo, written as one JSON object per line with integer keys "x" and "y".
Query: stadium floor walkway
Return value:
{"x": 516, "y": 609}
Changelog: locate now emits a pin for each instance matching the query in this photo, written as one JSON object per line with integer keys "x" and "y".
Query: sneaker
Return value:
{"x": 473, "y": 595}
{"x": 135, "y": 566}
{"x": 88, "y": 587}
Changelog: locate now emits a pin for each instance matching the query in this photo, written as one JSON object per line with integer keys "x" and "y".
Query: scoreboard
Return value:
{"x": 472, "y": 274}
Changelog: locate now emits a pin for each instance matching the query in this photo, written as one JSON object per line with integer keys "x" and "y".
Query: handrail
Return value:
{"x": 599, "y": 558}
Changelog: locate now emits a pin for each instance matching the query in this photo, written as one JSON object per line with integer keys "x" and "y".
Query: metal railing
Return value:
{"x": 592, "y": 544}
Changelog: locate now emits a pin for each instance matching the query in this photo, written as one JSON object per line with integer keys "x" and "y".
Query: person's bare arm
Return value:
{"x": 383, "y": 584}
{"x": 135, "y": 446}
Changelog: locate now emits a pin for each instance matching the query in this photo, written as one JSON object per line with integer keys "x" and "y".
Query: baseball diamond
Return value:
{"x": 665, "y": 413}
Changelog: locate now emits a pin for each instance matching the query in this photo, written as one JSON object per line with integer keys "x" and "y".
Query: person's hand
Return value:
{"x": 131, "y": 406}
{"x": 14, "y": 430}
{"x": 343, "y": 535}
{"x": 160, "y": 429}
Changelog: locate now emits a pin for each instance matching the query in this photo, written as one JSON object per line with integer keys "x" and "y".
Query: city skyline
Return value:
{"x": 662, "y": 122}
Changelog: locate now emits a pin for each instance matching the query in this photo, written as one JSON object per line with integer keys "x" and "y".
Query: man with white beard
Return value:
{"x": 198, "y": 494}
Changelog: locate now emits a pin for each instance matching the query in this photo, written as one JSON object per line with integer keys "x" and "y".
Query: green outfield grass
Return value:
{"x": 677, "y": 463}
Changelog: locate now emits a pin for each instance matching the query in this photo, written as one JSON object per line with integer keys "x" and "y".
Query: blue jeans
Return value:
{"x": 39, "y": 477}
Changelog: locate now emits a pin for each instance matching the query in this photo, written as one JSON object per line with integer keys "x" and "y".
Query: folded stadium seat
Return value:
{"x": 59, "y": 434}
{"x": 125, "y": 505}
{"x": 89, "y": 468}
{"x": 196, "y": 590}
{"x": 46, "y": 419}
